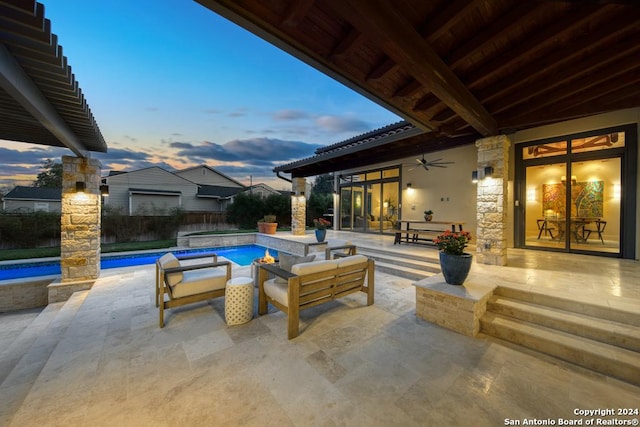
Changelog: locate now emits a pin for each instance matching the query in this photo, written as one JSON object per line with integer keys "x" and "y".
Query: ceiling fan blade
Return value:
{"x": 420, "y": 161}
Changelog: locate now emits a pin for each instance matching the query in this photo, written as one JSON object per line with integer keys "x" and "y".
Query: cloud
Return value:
{"x": 253, "y": 151}
{"x": 181, "y": 145}
{"x": 286, "y": 115}
{"x": 241, "y": 112}
{"x": 342, "y": 124}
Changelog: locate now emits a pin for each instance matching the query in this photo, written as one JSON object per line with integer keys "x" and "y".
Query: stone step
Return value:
{"x": 407, "y": 266}
{"x": 574, "y": 305}
{"x": 430, "y": 256}
{"x": 18, "y": 382}
{"x": 595, "y": 328}
{"x": 403, "y": 271}
{"x": 600, "y": 357}
{"x": 13, "y": 351}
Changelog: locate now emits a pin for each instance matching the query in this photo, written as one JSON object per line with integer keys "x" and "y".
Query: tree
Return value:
{"x": 321, "y": 199}
{"x": 246, "y": 210}
{"x": 51, "y": 175}
{"x": 323, "y": 184}
{"x": 280, "y": 206}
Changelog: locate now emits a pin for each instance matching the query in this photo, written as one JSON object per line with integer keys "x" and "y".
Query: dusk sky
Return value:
{"x": 174, "y": 85}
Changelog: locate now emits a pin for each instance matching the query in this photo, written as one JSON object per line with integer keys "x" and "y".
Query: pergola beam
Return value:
{"x": 15, "y": 81}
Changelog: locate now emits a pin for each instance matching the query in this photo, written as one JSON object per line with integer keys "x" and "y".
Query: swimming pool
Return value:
{"x": 242, "y": 255}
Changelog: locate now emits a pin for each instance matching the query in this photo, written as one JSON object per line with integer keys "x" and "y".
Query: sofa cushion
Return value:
{"x": 313, "y": 267}
{"x": 351, "y": 260}
{"x": 277, "y": 291}
{"x": 199, "y": 281}
{"x": 288, "y": 261}
{"x": 169, "y": 260}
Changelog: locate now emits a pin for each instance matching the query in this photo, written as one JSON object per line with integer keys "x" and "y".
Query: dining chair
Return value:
{"x": 600, "y": 226}
{"x": 543, "y": 227}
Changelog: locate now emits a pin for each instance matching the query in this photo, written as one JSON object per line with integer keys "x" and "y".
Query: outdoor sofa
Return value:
{"x": 309, "y": 284}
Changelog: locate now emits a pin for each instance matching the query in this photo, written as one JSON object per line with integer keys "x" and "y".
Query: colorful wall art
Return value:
{"x": 586, "y": 199}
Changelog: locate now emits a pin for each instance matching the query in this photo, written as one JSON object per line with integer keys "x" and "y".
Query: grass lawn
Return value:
{"x": 11, "y": 254}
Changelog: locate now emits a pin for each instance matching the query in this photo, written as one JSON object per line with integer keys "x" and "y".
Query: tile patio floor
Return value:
{"x": 352, "y": 365}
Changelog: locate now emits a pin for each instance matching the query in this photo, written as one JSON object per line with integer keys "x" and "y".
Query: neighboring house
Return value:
{"x": 205, "y": 175}
{"x": 156, "y": 191}
{"x": 31, "y": 199}
{"x": 264, "y": 190}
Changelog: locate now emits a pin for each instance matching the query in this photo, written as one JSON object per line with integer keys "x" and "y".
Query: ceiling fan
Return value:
{"x": 437, "y": 163}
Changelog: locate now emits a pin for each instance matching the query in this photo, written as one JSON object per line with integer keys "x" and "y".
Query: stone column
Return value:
{"x": 299, "y": 207}
{"x": 80, "y": 221}
{"x": 491, "y": 236}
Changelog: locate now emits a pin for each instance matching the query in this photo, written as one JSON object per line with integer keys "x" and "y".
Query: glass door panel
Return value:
{"x": 346, "y": 208}
{"x": 545, "y": 200}
{"x": 595, "y": 205}
{"x": 390, "y": 191}
{"x": 374, "y": 207}
{"x": 358, "y": 210}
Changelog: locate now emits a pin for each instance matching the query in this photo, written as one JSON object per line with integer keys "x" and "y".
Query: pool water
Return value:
{"x": 242, "y": 255}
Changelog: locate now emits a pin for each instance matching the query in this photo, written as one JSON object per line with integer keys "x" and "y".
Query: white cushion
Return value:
{"x": 288, "y": 261}
{"x": 168, "y": 260}
{"x": 277, "y": 291}
{"x": 351, "y": 260}
{"x": 199, "y": 281}
{"x": 313, "y": 267}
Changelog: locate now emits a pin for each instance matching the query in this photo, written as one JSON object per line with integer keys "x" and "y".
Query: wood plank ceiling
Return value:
{"x": 40, "y": 99}
{"x": 462, "y": 68}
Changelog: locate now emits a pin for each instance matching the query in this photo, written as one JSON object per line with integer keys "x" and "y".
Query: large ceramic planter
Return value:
{"x": 270, "y": 227}
{"x": 320, "y": 235}
{"x": 455, "y": 268}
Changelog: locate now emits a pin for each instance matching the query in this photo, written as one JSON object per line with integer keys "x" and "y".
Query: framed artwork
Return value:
{"x": 586, "y": 199}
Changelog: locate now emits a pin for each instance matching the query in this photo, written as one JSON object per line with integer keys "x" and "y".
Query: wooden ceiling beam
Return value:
{"x": 591, "y": 104}
{"x": 382, "y": 23}
{"x": 490, "y": 34}
{"x": 348, "y": 44}
{"x": 535, "y": 44}
{"x": 379, "y": 71}
{"x": 575, "y": 49}
{"x": 430, "y": 30}
{"x": 442, "y": 23}
{"x": 408, "y": 89}
{"x": 298, "y": 11}
{"x": 611, "y": 63}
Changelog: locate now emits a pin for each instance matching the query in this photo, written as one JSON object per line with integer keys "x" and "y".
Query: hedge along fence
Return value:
{"x": 42, "y": 229}
{"x": 29, "y": 230}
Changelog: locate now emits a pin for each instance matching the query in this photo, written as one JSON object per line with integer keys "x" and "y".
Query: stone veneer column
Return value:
{"x": 299, "y": 207}
{"x": 80, "y": 221}
{"x": 491, "y": 238}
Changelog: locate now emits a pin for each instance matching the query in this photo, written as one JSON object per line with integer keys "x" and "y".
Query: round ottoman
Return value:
{"x": 238, "y": 301}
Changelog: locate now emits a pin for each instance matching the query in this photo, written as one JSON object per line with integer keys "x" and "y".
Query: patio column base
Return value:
{"x": 458, "y": 308}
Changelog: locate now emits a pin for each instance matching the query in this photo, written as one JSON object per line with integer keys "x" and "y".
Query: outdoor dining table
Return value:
{"x": 413, "y": 229}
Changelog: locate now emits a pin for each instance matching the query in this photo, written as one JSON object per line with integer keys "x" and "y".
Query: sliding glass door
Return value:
{"x": 571, "y": 195}
{"x": 369, "y": 201}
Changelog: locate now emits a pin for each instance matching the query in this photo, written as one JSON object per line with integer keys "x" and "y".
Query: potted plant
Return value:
{"x": 428, "y": 215}
{"x": 321, "y": 225}
{"x": 269, "y": 224}
{"x": 454, "y": 262}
